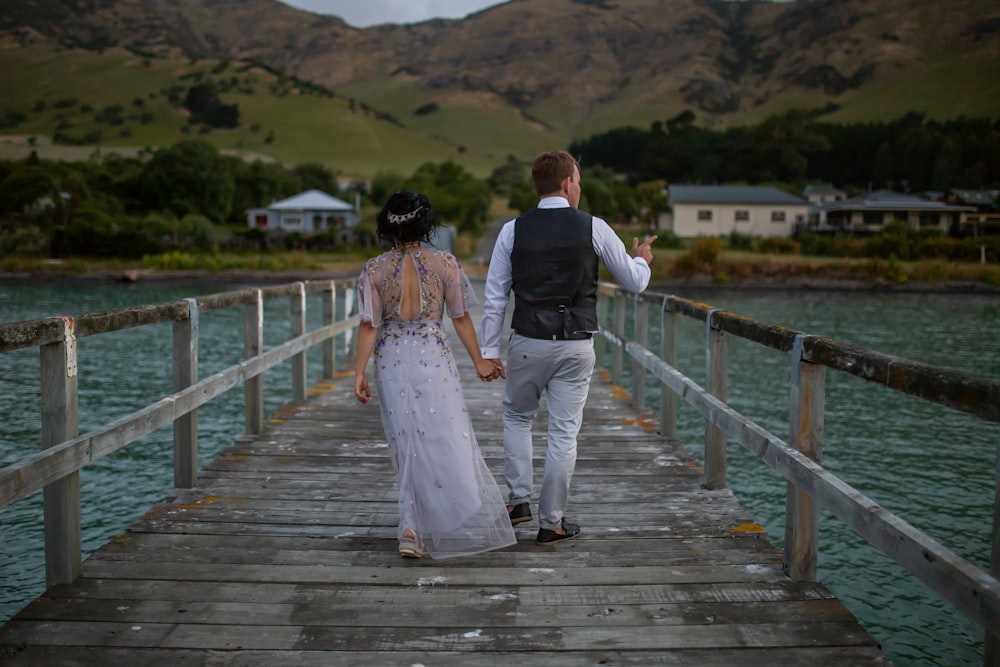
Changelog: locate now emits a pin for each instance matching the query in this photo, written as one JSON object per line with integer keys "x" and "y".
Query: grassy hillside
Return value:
{"x": 944, "y": 90}
{"x": 130, "y": 101}
{"x": 120, "y": 101}
{"x": 479, "y": 124}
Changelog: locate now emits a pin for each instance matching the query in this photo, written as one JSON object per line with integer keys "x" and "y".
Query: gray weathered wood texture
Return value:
{"x": 285, "y": 554}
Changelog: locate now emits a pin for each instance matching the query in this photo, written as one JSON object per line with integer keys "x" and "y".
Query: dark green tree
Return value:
{"x": 259, "y": 183}
{"x": 459, "y": 197}
{"x": 189, "y": 177}
{"x": 315, "y": 176}
{"x": 384, "y": 184}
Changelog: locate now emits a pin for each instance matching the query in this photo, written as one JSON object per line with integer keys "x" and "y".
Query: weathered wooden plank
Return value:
{"x": 268, "y": 592}
{"x": 363, "y": 552}
{"x": 387, "y": 531}
{"x": 500, "y": 612}
{"x": 467, "y": 637}
{"x": 430, "y": 573}
{"x": 375, "y": 488}
{"x": 824, "y": 656}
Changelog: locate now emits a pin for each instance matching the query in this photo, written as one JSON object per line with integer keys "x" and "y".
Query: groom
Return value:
{"x": 548, "y": 258}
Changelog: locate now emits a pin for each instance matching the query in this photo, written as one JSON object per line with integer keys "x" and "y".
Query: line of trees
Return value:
{"x": 911, "y": 153}
{"x": 127, "y": 207}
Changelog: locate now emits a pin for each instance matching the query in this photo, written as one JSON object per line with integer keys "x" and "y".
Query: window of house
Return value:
{"x": 930, "y": 219}
{"x": 873, "y": 217}
{"x": 777, "y": 216}
{"x": 291, "y": 222}
{"x": 704, "y": 215}
{"x": 742, "y": 216}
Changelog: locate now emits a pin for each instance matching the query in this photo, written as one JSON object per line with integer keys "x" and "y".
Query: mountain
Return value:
{"x": 528, "y": 74}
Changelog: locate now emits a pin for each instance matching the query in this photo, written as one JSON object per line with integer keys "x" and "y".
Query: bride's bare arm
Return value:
{"x": 486, "y": 370}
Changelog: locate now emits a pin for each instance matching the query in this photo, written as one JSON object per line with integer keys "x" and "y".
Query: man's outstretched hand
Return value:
{"x": 643, "y": 249}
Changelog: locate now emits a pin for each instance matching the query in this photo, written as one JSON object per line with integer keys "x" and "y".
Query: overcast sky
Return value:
{"x": 363, "y": 13}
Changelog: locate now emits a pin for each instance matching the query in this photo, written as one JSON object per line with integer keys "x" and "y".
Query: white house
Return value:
{"x": 871, "y": 211}
{"x": 718, "y": 210}
{"x": 308, "y": 212}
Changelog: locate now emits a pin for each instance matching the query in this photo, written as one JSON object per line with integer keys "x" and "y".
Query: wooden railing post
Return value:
{"x": 717, "y": 354}
{"x": 991, "y": 652}
{"x": 600, "y": 342}
{"x": 253, "y": 344}
{"x": 642, "y": 338}
{"x": 186, "y": 374}
{"x": 808, "y": 397}
{"x": 348, "y": 302}
{"x": 619, "y": 330}
{"x": 60, "y": 422}
{"x": 298, "y": 305}
{"x": 329, "y": 296}
{"x": 668, "y": 352}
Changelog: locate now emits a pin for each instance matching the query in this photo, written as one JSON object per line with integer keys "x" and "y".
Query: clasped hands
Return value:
{"x": 488, "y": 370}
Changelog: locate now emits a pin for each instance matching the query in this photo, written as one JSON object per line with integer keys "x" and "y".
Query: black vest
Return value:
{"x": 554, "y": 274}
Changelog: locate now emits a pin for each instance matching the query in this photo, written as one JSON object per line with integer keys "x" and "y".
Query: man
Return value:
{"x": 549, "y": 258}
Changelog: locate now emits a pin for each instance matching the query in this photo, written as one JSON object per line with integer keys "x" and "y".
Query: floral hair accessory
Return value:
{"x": 405, "y": 217}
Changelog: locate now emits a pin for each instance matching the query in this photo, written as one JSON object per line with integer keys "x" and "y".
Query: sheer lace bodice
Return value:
{"x": 443, "y": 285}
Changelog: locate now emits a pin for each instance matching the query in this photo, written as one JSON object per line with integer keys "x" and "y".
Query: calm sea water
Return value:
{"x": 932, "y": 466}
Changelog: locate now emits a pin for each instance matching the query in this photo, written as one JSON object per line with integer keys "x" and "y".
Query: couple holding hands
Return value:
{"x": 449, "y": 502}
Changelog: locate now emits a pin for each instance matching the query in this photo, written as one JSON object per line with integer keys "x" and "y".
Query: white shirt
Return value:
{"x": 631, "y": 273}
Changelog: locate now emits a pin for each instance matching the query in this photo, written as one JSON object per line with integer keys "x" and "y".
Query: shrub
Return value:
{"x": 934, "y": 248}
{"x": 886, "y": 245}
{"x": 29, "y": 241}
{"x": 686, "y": 265}
{"x": 816, "y": 245}
{"x": 931, "y": 271}
{"x": 174, "y": 260}
{"x": 778, "y": 246}
{"x": 894, "y": 271}
{"x": 706, "y": 251}
{"x": 666, "y": 239}
{"x": 738, "y": 241}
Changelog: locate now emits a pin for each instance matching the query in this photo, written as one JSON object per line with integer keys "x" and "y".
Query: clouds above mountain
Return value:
{"x": 374, "y": 12}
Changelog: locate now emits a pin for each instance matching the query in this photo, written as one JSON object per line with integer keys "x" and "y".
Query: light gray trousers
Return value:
{"x": 562, "y": 369}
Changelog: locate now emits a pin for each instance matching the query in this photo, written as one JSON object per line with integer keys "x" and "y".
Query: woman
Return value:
{"x": 449, "y": 502}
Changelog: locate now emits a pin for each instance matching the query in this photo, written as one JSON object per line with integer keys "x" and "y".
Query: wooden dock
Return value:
{"x": 285, "y": 554}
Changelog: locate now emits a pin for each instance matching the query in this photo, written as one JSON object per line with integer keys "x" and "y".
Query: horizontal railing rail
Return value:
{"x": 55, "y": 469}
{"x": 970, "y": 589}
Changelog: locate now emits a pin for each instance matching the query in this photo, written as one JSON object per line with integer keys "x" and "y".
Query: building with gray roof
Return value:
{"x": 719, "y": 210}
{"x": 871, "y": 211}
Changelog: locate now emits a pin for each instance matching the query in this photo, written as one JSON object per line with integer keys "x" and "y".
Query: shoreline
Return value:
{"x": 700, "y": 283}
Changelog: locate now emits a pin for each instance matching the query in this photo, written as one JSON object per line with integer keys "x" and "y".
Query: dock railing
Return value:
{"x": 56, "y": 468}
{"x": 968, "y": 588}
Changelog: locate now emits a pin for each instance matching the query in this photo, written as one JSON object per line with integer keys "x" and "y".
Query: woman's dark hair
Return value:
{"x": 407, "y": 217}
